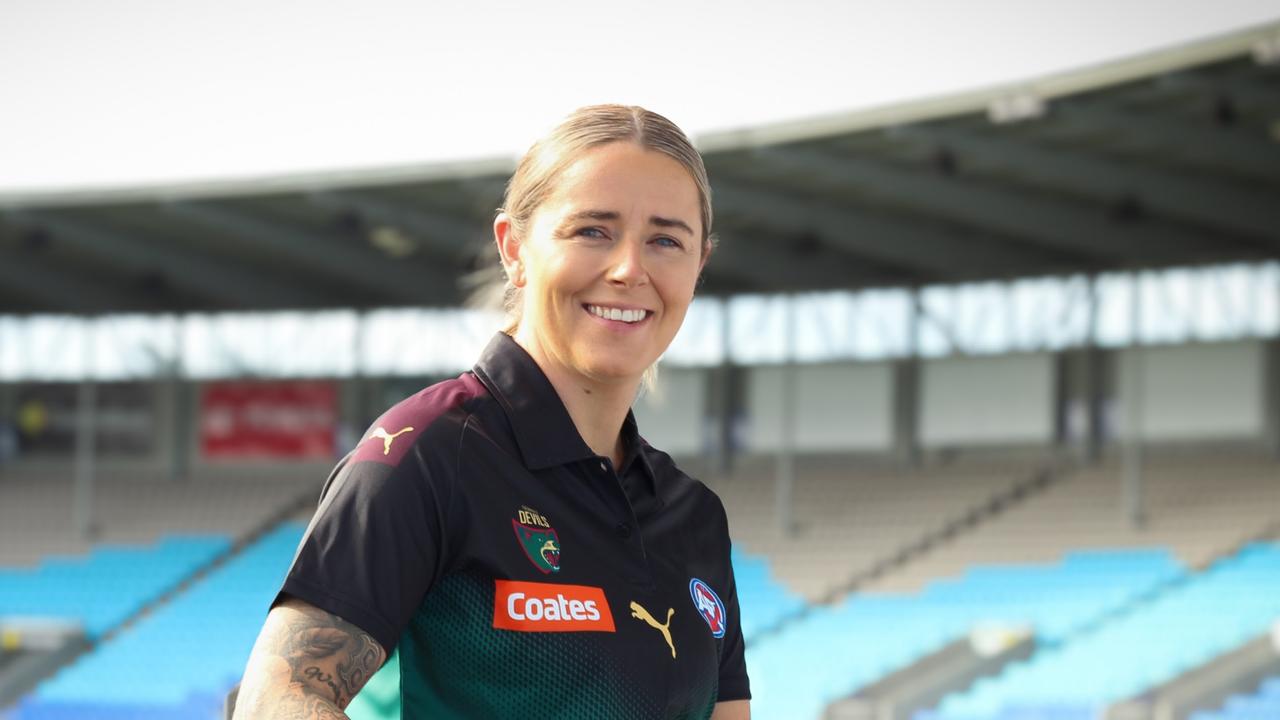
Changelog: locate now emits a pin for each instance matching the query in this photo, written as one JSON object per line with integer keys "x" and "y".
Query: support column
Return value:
{"x": 180, "y": 411}
{"x": 786, "y": 461}
{"x": 355, "y": 393}
{"x": 8, "y": 427}
{"x": 1095, "y": 403}
{"x": 1094, "y": 384}
{"x": 1273, "y": 390}
{"x": 722, "y": 405}
{"x": 906, "y": 412}
{"x": 1134, "y": 378}
{"x": 906, "y": 395}
{"x": 85, "y": 457}
{"x": 1066, "y": 387}
{"x": 1081, "y": 400}
{"x": 1271, "y": 380}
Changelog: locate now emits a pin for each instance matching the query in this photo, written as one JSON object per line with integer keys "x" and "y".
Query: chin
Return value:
{"x": 605, "y": 368}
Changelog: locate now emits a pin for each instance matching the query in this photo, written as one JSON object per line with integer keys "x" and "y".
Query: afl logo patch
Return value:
{"x": 708, "y": 605}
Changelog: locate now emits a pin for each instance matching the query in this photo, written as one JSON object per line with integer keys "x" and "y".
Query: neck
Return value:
{"x": 598, "y": 408}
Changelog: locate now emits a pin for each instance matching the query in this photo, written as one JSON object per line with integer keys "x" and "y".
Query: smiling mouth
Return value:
{"x": 626, "y": 316}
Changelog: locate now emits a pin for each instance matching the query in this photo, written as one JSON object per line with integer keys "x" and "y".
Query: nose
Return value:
{"x": 627, "y": 265}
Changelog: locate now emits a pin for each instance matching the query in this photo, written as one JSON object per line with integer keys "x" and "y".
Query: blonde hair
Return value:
{"x": 536, "y": 175}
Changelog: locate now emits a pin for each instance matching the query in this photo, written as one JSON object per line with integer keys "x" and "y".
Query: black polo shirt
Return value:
{"x": 518, "y": 574}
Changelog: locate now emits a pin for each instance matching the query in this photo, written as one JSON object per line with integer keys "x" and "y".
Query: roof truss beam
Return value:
{"x": 360, "y": 267}
{"x": 1042, "y": 221}
{"x": 217, "y": 281}
{"x": 1228, "y": 149}
{"x": 769, "y": 260}
{"x": 922, "y": 249}
{"x": 442, "y": 235}
{"x": 1235, "y": 209}
{"x": 47, "y": 287}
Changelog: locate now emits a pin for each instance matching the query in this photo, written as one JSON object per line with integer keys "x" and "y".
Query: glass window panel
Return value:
{"x": 1115, "y": 313}
{"x": 700, "y": 341}
{"x": 757, "y": 328}
{"x": 880, "y": 324}
{"x": 134, "y": 346}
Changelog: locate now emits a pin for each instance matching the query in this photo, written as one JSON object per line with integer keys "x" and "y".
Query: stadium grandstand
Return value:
{"x": 989, "y": 385}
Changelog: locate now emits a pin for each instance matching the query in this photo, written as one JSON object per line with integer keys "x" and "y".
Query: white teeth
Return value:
{"x": 628, "y": 316}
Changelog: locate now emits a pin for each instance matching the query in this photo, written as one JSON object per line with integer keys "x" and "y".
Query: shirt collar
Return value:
{"x": 544, "y": 431}
{"x": 633, "y": 448}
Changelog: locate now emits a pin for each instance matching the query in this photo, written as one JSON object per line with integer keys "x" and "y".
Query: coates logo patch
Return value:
{"x": 708, "y": 605}
{"x": 550, "y": 607}
{"x": 538, "y": 538}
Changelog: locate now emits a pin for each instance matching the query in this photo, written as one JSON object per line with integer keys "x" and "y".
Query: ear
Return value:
{"x": 509, "y": 249}
{"x": 707, "y": 246}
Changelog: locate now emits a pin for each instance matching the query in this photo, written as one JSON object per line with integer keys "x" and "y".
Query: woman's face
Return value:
{"x": 609, "y": 264}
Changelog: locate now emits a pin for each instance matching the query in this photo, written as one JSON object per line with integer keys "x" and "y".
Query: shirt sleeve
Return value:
{"x": 734, "y": 683}
{"x": 373, "y": 548}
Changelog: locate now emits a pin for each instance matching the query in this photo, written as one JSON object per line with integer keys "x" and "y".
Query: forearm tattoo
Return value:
{"x": 329, "y": 661}
{"x": 298, "y": 705}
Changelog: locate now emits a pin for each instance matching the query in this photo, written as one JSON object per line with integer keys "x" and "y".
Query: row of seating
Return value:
{"x": 1092, "y": 604}
{"x": 828, "y": 653}
{"x": 850, "y": 519}
{"x": 179, "y": 661}
{"x": 1185, "y": 625}
{"x": 102, "y": 589}
{"x": 36, "y": 509}
{"x": 1262, "y": 704}
{"x": 835, "y": 650}
{"x": 1198, "y": 507}
{"x": 762, "y": 600}
{"x": 850, "y": 515}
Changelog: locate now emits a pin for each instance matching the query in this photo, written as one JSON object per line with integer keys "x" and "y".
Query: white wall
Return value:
{"x": 672, "y": 419}
{"x": 989, "y": 400}
{"x": 1192, "y": 392}
{"x": 846, "y": 406}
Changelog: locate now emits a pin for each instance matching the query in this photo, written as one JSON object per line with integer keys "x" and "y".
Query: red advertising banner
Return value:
{"x": 268, "y": 420}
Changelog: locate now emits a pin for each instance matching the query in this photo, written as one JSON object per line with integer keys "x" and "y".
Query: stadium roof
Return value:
{"x": 1167, "y": 159}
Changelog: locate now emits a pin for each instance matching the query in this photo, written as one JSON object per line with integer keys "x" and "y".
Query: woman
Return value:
{"x": 509, "y": 531}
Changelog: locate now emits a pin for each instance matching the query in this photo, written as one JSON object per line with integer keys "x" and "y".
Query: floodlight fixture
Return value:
{"x": 1266, "y": 51}
{"x": 1016, "y": 107}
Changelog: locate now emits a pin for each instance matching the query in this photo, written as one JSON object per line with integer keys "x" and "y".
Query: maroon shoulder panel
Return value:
{"x": 391, "y": 436}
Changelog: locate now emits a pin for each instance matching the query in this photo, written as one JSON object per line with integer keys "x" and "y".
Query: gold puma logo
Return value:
{"x": 387, "y": 438}
{"x": 640, "y": 613}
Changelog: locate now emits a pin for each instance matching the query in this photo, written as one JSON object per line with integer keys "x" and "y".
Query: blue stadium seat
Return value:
{"x": 1263, "y": 704}
{"x": 762, "y": 600}
{"x": 868, "y": 636}
{"x": 180, "y": 661}
{"x": 1146, "y": 644}
{"x": 103, "y": 588}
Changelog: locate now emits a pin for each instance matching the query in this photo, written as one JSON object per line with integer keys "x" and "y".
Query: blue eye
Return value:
{"x": 600, "y": 233}
{"x": 668, "y": 242}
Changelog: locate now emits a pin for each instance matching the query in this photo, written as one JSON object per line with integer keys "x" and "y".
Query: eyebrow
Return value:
{"x": 613, "y": 215}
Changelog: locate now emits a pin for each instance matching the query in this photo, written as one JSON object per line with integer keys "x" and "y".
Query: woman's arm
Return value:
{"x": 307, "y": 664}
{"x": 732, "y": 710}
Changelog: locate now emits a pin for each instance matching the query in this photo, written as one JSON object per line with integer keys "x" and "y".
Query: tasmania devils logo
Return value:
{"x": 538, "y": 539}
{"x": 708, "y": 605}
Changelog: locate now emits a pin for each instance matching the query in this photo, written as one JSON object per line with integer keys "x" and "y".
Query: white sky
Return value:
{"x": 123, "y": 92}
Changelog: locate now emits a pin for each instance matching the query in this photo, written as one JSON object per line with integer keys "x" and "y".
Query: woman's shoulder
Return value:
{"x": 674, "y": 484}
{"x": 434, "y": 413}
